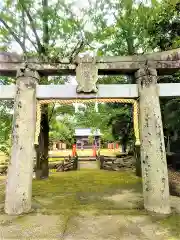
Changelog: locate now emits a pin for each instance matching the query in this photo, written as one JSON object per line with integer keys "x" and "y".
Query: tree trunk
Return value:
{"x": 138, "y": 161}
{"x": 153, "y": 154}
{"x": 19, "y": 180}
{"x": 42, "y": 170}
{"x": 124, "y": 147}
{"x": 45, "y": 133}
{"x": 168, "y": 144}
{"x": 42, "y": 167}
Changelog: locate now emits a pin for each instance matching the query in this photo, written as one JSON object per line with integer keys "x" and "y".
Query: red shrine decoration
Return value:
{"x": 74, "y": 150}
{"x": 94, "y": 151}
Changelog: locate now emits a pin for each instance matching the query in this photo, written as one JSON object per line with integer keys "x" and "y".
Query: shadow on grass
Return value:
{"x": 84, "y": 191}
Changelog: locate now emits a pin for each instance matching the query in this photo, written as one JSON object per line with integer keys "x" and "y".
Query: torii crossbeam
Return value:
{"x": 164, "y": 62}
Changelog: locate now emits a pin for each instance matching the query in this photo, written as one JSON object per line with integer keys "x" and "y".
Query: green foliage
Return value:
{"x": 121, "y": 26}
{"x": 171, "y": 114}
{"x": 62, "y": 125}
{"x": 6, "y": 108}
{"x": 91, "y": 139}
{"x": 62, "y": 130}
{"x": 51, "y": 29}
{"x": 58, "y": 29}
{"x": 5, "y": 123}
{"x": 163, "y": 28}
{"x": 114, "y": 122}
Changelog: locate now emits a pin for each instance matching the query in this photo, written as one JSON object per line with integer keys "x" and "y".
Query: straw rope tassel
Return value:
{"x": 38, "y": 122}
{"x": 136, "y": 122}
{"x": 86, "y": 101}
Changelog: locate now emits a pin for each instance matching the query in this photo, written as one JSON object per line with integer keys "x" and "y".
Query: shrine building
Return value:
{"x": 86, "y": 138}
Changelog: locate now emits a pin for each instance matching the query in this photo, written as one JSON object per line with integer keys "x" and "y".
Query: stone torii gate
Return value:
{"x": 27, "y": 94}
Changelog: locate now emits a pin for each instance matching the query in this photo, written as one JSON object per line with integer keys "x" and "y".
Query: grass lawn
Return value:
{"x": 82, "y": 190}
{"x": 71, "y": 193}
{"x": 55, "y": 159}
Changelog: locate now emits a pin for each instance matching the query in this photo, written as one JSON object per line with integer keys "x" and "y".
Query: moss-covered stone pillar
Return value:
{"x": 19, "y": 180}
{"x": 153, "y": 155}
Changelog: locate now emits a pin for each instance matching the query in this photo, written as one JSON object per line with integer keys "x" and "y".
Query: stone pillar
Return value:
{"x": 19, "y": 180}
{"x": 153, "y": 154}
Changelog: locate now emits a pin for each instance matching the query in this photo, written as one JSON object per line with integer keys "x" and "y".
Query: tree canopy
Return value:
{"x": 63, "y": 28}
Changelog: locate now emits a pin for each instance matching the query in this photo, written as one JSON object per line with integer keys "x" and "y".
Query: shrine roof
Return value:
{"x": 87, "y": 132}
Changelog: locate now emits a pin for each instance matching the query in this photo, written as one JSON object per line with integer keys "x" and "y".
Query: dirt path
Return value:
{"x": 88, "y": 165}
{"x": 83, "y": 227}
{"x": 114, "y": 227}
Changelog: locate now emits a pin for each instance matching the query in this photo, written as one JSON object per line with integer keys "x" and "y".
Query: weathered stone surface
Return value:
{"x": 67, "y": 91}
{"x": 19, "y": 182}
{"x": 47, "y": 69}
{"x": 171, "y": 55}
{"x": 86, "y": 74}
{"x": 84, "y": 226}
{"x": 117, "y": 164}
{"x": 153, "y": 155}
{"x": 31, "y": 227}
{"x": 164, "y": 62}
{"x": 7, "y": 57}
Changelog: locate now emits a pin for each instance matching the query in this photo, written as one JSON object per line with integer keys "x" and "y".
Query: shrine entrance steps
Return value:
{"x": 88, "y": 165}
{"x": 86, "y": 159}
